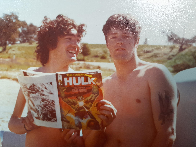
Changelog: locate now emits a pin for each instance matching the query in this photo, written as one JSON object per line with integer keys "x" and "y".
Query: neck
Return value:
{"x": 124, "y": 68}
{"x": 52, "y": 67}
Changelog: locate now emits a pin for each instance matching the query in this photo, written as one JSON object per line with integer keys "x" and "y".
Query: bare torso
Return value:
{"x": 45, "y": 137}
{"x": 134, "y": 125}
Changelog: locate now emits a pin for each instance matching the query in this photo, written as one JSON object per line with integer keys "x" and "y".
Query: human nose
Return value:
{"x": 119, "y": 41}
{"x": 75, "y": 43}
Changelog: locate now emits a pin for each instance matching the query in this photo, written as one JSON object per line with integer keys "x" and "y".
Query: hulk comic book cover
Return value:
{"x": 63, "y": 100}
{"x": 79, "y": 94}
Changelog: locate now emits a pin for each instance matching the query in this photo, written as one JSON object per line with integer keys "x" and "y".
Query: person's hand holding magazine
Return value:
{"x": 107, "y": 115}
{"x": 107, "y": 112}
{"x": 28, "y": 122}
{"x": 72, "y": 138}
{"x": 96, "y": 138}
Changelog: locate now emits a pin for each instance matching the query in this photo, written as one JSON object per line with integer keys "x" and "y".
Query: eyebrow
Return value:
{"x": 113, "y": 33}
{"x": 122, "y": 34}
{"x": 70, "y": 35}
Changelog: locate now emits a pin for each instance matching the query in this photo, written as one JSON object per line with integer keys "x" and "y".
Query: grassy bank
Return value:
{"x": 22, "y": 56}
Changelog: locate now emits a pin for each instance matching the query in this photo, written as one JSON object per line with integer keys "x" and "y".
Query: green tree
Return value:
{"x": 183, "y": 42}
{"x": 9, "y": 32}
{"x": 85, "y": 50}
{"x": 27, "y": 32}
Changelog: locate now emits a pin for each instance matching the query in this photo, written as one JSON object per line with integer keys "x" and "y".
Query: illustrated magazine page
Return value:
{"x": 79, "y": 94}
{"x": 40, "y": 92}
{"x": 63, "y": 100}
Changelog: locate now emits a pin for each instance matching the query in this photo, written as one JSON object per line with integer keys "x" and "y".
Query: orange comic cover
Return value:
{"x": 79, "y": 94}
{"x": 63, "y": 100}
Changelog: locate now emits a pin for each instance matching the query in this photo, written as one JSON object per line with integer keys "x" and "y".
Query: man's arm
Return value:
{"x": 17, "y": 124}
{"x": 164, "y": 105}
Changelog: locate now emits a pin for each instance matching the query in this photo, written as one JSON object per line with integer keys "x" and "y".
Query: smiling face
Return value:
{"x": 67, "y": 48}
{"x": 121, "y": 44}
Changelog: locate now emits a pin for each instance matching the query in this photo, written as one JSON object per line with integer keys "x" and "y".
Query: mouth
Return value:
{"x": 72, "y": 52}
{"x": 120, "y": 49}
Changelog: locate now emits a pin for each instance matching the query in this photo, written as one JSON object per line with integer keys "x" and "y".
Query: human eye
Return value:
{"x": 68, "y": 38}
{"x": 112, "y": 37}
{"x": 127, "y": 36}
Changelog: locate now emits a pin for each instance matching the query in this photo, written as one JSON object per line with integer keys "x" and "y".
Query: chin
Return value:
{"x": 73, "y": 59}
{"x": 122, "y": 59}
{"x": 69, "y": 61}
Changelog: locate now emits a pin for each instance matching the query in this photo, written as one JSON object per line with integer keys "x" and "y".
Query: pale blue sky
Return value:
{"x": 155, "y": 16}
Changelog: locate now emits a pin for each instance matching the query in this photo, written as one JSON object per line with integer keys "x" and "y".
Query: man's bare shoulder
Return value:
{"x": 153, "y": 69}
{"x": 155, "y": 73}
{"x": 158, "y": 74}
{"x": 159, "y": 70}
{"x": 109, "y": 78}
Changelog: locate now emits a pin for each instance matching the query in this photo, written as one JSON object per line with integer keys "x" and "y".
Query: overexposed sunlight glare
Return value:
{"x": 159, "y": 2}
{"x": 161, "y": 12}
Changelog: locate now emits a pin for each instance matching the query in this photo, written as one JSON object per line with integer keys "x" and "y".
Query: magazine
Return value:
{"x": 67, "y": 100}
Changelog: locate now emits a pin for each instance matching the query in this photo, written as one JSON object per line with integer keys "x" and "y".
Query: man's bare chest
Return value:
{"x": 125, "y": 96}
{"x": 134, "y": 112}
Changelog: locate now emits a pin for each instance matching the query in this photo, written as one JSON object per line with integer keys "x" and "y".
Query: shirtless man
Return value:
{"x": 144, "y": 94}
{"x": 58, "y": 46}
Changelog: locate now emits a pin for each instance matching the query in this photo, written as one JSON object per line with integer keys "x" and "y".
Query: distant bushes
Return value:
{"x": 30, "y": 42}
{"x": 182, "y": 61}
{"x": 80, "y": 59}
{"x": 103, "y": 56}
{"x": 96, "y": 56}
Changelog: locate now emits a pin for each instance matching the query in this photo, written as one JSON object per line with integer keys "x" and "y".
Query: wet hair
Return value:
{"x": 124, "y": 22}
{"x": 50, "y": 31}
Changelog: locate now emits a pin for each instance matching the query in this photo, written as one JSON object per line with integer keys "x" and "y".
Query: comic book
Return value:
{"x": 67, "y": 100}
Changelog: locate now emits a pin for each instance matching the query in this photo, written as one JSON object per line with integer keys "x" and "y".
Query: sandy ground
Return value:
{"x": 8, "y": 94}
{"x": 101, "y": 64}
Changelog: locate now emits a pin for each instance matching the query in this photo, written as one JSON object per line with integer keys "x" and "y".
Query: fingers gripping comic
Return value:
{"x": 28, "y": 122}
{"x": 107, "y": 112}
{"x": 72, "y": 138}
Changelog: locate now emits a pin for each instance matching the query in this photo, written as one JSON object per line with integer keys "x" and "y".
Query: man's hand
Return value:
{"x": 28, "y": 122}
{"x": 72, "y": 138}
{"x": 107, "y": 112}
{"x": 97, "y": 138}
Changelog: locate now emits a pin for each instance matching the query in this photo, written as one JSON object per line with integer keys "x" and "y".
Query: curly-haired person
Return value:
{"x": 58, "y": 47}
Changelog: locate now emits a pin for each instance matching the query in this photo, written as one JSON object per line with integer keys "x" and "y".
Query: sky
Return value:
{"x": 155, "y": 16}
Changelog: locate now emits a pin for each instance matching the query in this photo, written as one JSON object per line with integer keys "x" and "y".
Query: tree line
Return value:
{"x": 173, "y": 38}
{"x": 181, "y": 41}
{"x": 13, "y": 30}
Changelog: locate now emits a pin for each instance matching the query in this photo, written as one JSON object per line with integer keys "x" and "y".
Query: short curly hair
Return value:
{"x": 124, "y": 22}
{"x": 49, "y": 32}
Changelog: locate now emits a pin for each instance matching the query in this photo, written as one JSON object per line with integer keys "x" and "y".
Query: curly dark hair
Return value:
{"x": 49, "y": 32}
{"x": 124, "y": 22}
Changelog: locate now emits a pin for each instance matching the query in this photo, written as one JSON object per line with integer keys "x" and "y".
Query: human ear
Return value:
{"x": 80, "y": 48}
{"x": 106, "y": 40}
{"x": 137, "y": 41}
